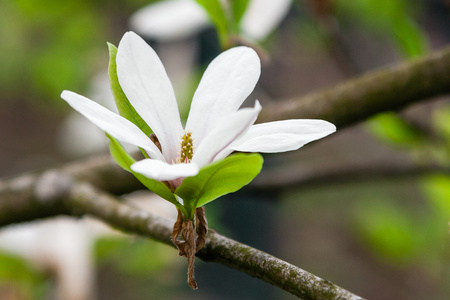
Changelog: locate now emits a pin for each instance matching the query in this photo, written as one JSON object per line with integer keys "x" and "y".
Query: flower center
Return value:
{"x": 187, "y": 148}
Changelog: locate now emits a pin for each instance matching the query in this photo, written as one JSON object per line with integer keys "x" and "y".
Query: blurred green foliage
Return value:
{"x": 393, "y": 18}
{"x": 396, "y": 131}
{"x": 400, "y": 232}
{"x": 31, "y": 283}
{"x": 388, "y": 230}
{"x": 441, "y": 143}
{"x": 218, "y": 16}
{"x": 239, "y": 7}
{"x": 226, "y": 18}
{"x": 408, "y": 236}
{"x": 48, "y": 45}
{"x": 142, "y": 256}
{"x": 397, "y": 233}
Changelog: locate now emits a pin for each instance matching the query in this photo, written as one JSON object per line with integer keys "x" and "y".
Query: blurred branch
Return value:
{"x": 26, "y": 197}
{"x": 297, "y": 177}
{"x": 325, "y": 16}
{"x": 40, "y": 199}
{"x": 355, "y": 100}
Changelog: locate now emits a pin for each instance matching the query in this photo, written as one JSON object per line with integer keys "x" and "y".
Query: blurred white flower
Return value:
{"x": 263, "y": 16}
{"x": 62, "y": 247}
{"x": 171, "y": 20}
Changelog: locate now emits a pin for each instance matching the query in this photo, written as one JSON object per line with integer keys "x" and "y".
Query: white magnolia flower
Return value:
{"x": 215, "y": 126}
{"x": 177, "y": 19}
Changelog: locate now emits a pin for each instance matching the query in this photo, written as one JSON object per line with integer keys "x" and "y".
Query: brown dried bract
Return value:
{"x": 201, "y": 227}
{"x": 177, "y": 227}
{"x": 189, "y": 250}
{"x": 192, "y": 240}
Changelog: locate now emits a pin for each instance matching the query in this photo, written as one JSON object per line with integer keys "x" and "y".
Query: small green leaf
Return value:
{"x": 125, "y": 160}
{"x": 219, "y": 178}
{"x": 217, "y": 16}
{"x": 124, "y": 106}
{"x": 239, "y": 8}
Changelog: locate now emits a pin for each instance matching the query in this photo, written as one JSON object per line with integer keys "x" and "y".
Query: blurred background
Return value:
{"x": 367, "y": 208}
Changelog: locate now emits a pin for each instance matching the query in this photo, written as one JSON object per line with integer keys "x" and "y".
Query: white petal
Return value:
{"x": 117, "y": 126}
{"x": 159, "y": 170}
{"x": 227, "y": 82}
{"x": 262, "y": 16}
{"x": 282, "y": 136}
{"x": 144, "y": 80}
{"x": 170, "y": 20}
{"x": 220, "y": 137}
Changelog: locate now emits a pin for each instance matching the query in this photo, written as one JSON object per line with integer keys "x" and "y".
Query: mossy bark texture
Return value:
{"x": 78, "y": 199}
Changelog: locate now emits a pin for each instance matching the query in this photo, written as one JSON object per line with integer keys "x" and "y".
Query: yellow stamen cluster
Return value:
{"x": 187, "y": 148}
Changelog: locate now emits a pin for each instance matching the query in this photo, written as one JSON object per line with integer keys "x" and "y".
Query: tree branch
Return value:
{"x": 299, "y": 178}
{"x": 77, "y": 199}
{"x": 261, "y": 265}
{"x": 355, "y": 100}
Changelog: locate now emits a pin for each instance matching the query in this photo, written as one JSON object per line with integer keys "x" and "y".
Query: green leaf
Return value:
{"x": 125, "y": 160}
{"x": 217, "y": 16}
{"x": 124, "y": 106}
{"x": 219, "y": 178}
{"x": 239, "y": 8}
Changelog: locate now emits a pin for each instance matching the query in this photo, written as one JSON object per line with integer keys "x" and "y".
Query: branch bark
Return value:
{"x": 301, "y": 178}
{"x": 389, "y": 88}
{"x": 30, "y": 198}
{"x": 277, "y": 272}
{"x": 218, "y": 248}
